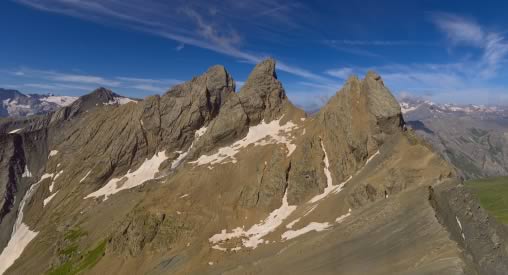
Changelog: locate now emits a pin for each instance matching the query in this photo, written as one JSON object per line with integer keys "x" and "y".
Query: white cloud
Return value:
{"x": 341, "y": 73}
{"x": 149, "y": 88}
{"x": 458, "y": 29}
{"x": 52, "y": 81}
{"x": 386, "y": 43}
{"x": 87, "y": 79}
{"x": 462, "y": 31}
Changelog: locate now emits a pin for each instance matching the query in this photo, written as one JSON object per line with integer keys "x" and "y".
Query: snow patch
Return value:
{"x": 343, "y": 217}
{"x": 254, "y": 236}
{"x": 219, "y": 248}
{"x": 182, "y": 155}
{"x": 290, "y": 225}
{"x": 120, "y": 101}
{"x": 61, "y": 101}
{"x": 48, "y": 199}
{"x": 313, "y": 226}
{"x": 406, "y": 108}
{"x": 460, "y": 225}
{"x": 21, "y": 235}
{"x": 86, "y": 176}
{"x": 201, "y": 131}
{"x": 329, "y": 181}
{"x": 146, "y": 171}
{"x": 259, "y": 135}
{"x": 27, "y": 173}
{"x": 53, "y": 182}
{"x": 52, "y": 153}
{"x": 335, "y": 189}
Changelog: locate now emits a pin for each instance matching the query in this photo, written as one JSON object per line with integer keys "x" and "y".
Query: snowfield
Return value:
{"x": 61, "y": 101}
{"x": 21, "y": 234}
{"x": 254, "y": 236}
{"x": 120, "y": 101}
{"x": 146, "y": 171}
{"x": 48, "y": 199}
{"x": 313, "y": 226}
{"x": 52, "y": 153}
{"x": 259, "y": 135}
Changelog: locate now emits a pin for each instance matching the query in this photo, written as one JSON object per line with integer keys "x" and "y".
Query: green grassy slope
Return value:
{"x": 493, "y": 195}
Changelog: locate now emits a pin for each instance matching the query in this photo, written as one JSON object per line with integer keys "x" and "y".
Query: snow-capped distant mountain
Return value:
{"x": 472, "y": 137}
{"x": 59, "y": 100}
{"x": 16, "y": 104}
{"x": 418, "y": 109}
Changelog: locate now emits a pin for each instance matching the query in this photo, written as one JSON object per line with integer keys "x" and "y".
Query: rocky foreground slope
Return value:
{"x": 207, "y": 180}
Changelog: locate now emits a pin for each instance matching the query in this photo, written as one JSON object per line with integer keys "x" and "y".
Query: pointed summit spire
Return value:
{"x": 263, "y": 96}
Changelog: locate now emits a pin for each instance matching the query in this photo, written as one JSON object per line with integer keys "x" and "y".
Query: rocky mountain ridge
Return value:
{"x": 206, "y": 180}
{"x": 17, "y": 105}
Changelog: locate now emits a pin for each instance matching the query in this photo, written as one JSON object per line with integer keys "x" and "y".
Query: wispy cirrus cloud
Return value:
{"x": 54, "y": 81}
{"x": 341, "y": 73}
{"x": 462, "y": 31}
{"x": 385, "y": 43}
{"x": 196, "y": 23}
{"x": 87, "y": 79}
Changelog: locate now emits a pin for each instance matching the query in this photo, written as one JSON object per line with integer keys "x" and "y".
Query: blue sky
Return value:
{"x": 447, "y": 51}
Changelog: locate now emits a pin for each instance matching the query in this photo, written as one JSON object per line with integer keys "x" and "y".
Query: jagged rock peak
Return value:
{"x": 373, "y": 75}
{"x": 215, "y": 80}
{"x": 218, "y": 77}
{"x": 262, "y": 96}
{"x": 381, "y": 102}
{"x": 100, "y": 93}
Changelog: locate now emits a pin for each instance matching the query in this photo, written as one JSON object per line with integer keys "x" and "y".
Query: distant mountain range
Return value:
{"x": 16, "y": 104}
{"x": 472, "y": 137}
{"x": 13, "y": 103}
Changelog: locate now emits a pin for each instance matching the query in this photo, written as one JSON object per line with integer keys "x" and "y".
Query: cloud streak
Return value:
{"x": 461, "y": 31}
{"x": 49, "y": 81}
{"x": 188, "y": 26}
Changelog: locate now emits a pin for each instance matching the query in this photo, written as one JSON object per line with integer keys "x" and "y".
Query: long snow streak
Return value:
{"x": 330, "y": 188}
{"x": 254, "y": 236}
{"x": 146, "y": 171}
{"x": 48, "y": 199}
{"x": 261, "y": 134}
{"x": 21, "y": 234}
{"x": 313, "y": 226}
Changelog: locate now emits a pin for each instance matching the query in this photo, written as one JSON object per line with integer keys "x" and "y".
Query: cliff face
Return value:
{"x": 206, "y": 180}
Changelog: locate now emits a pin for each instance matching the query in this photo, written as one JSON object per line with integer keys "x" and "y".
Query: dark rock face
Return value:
{"x": 12, "y": 166}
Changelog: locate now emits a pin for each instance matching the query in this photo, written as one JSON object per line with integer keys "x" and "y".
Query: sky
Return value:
{"x": 445, "y": 51}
